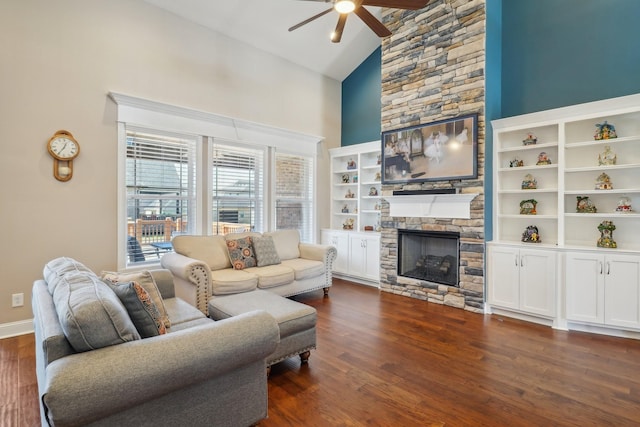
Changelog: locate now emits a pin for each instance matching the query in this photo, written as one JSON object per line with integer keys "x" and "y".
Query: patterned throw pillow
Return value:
{"x": 142, "y": 310}
{"x": 145, "y": 279}
{"x": 241, "y": 253}
{"x": 265, "y": 250}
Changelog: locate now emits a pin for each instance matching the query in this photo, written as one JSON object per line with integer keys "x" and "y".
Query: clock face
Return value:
{"x": 64, "y": 147}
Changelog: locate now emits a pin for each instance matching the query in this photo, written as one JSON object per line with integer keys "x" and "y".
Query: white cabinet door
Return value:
{"x": 537, "y": 282}
{"x": 622, "y": 290}
{"x": 584, "y": 287}
{"x": 341, "y": 242}
{"x": 364, "y": 251}
{"x": 503, "y": 275}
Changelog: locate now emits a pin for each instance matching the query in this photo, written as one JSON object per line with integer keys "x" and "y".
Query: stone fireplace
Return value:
{"x": 433, "y": 69}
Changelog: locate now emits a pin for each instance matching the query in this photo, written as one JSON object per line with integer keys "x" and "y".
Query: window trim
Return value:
{"x": 139, "y": 112}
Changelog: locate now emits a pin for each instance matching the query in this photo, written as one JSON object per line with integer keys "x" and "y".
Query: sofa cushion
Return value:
{"x": 241, "y": 253}
{"x": 265, "y": 250}
{"x": 305, "y": 268}
{"x": 141, "y": 309}
{"x": 57, "y": 268}
{"x": 90, "y": 313}
{"x": 272, "y": 275}
{"x": 286, "y": 242}
{"x": 212, "y": 250}
{"x": 230, "y": 281}
{"x": 145, "y": 279}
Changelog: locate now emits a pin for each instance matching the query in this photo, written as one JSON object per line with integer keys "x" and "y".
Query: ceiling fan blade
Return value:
{"x": 397, "y": 4}
{"x": 373, "y": 22}
{"x": 337, "y": 34}
{"x": 306, "y": 21}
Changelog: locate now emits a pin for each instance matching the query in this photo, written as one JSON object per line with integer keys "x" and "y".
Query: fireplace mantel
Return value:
{"x": 431, "y": 205}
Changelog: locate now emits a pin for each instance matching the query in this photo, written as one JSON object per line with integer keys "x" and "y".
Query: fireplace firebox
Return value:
{"x": 431, "y": 256}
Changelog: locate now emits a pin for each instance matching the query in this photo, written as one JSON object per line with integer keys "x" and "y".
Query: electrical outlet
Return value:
{"x": 17, "y": 300}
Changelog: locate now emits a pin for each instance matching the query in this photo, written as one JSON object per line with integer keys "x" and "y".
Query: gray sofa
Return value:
{"x": 200, "y": 372}
{"x": 202, "y": 267}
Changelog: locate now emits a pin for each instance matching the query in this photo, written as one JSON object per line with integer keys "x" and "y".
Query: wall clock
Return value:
{"x": 63, "y": 147}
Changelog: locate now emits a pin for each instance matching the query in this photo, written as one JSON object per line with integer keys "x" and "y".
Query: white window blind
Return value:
{"x": 160, "y": 192}
{"x": 238, "y": 188}
{"x": 294, "y": 194}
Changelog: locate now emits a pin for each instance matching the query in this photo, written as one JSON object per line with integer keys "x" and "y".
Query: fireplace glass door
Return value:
{"x": 432, "y": 256}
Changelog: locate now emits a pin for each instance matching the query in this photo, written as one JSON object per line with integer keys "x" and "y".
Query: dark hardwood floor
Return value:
{"x": 387, "y": 360}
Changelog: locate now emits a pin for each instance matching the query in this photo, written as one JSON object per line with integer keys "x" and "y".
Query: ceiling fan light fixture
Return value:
{"x": 344, "y": 6}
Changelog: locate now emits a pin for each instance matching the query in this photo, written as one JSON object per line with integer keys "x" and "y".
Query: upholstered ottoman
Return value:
{"x": 297, "y": 321}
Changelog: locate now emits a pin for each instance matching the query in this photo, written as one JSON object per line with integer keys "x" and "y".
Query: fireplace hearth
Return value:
{"x": 432, "y": 256}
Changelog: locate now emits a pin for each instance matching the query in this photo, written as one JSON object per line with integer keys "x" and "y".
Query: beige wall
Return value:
{"x": 60, "y": 59}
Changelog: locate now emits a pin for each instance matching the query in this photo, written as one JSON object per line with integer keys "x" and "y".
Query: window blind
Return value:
{"x": 238, "y": 188}
{"x": 294, "y": 194}
{"x": 160, "y": 192}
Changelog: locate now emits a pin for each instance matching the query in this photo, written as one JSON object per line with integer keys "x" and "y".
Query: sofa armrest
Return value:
{"x": 192, "y": 279}
{"x": 325, "y": 253}
{"x": 84, "y": 387}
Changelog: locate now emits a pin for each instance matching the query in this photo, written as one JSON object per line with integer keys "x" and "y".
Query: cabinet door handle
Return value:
{"x": 600, "y": 264}
{"x": 521, "y": 261}
{"x": 515, "y": 259}
{"x": 608, "y": 268}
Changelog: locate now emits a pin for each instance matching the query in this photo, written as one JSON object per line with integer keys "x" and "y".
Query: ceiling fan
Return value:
{"x": 345, "y": 7}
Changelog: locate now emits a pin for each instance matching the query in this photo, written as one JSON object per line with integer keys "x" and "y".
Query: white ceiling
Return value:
{"x": 264, "y": 24}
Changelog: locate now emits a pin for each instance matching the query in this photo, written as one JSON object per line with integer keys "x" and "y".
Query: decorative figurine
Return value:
{"x": 351, "y": 164}
{"x": 605, "y": 131}
{"x": 377, "y": 177}
{"x": 606, "y": 235}
{"x": 348, "y": 224}
{"x": 345, "y": 209}
{"x": 377, "y": 207}
{"x": 345, "y": 178}
{"x": 529, "y": 182}
{"x": 516, "y": 163}
{"x": 379, "y": 159}
{"x": 584, "y": 205}
{"x": 607, "y": 157}
{"x": 624, "y": 205}
{"x": 531, "y": 235}
{"x": 349, "y": 195}
{"x": 543, "y": 159}
{"x": 355, "y": 178}
{"x": 373, "y": 191}
{"x": 604, "y": 182}
{"x": 528, "y": 207}
{"x": 530, "y": 139}
{"x": 378, "y": 226}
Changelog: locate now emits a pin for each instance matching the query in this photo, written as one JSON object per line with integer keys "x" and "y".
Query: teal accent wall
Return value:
{"x": 493, "y": 100}
{"x": 558, "y": 53}
{"x": 361, "y": 101}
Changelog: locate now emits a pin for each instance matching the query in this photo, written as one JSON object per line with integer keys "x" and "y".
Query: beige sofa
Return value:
{"x": 202, "y": 268}
{"x": 93, "y": 367}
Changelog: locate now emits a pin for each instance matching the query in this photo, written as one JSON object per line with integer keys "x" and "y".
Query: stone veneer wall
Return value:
{"x": 432, "y": 69}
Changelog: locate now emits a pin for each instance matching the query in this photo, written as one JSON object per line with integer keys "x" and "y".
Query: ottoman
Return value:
{"x": 297, "y": 321}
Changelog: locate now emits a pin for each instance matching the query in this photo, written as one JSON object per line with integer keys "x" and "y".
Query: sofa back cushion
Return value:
{"x": 286, "y": 242}
{"x": 55, "y": 269}
{"x": 212, "y": 250}
{"x": 90, "y": 313}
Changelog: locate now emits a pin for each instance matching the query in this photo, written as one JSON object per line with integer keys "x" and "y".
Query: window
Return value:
{"x": 237, "y": 189}
{"x": 187, "y": 171}
{"x": 160, "y": 190}
{"x": 294, "y": 194}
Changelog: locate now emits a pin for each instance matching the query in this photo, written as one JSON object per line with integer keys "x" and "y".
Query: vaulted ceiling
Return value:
{"x": 264, "y": 24}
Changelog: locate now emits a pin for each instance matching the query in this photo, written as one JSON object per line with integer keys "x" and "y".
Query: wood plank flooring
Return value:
{"x": 387, "y": 360}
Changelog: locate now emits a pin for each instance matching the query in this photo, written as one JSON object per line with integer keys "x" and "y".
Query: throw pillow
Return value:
{"x": 141, "y": 308}
{"x": 265, "y": 250}
{"x": 241, "y": 253}
{"x": 90, "y": 314}
{"x": 145, "y": 279}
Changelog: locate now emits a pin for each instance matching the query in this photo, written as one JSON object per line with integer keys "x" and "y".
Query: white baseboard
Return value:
{"x": 13, "y": 329}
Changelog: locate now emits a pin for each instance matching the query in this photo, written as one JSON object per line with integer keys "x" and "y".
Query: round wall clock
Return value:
{"x": 63, "y": 147}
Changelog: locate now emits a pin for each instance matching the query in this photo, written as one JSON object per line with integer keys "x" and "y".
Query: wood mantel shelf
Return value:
{"x": 431, "y": 205}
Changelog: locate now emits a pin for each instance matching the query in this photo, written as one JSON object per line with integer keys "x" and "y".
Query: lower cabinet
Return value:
{"x": 603, "y": 289}
{"x": 358, "y": 254}
{"x": 522, "y": 280}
